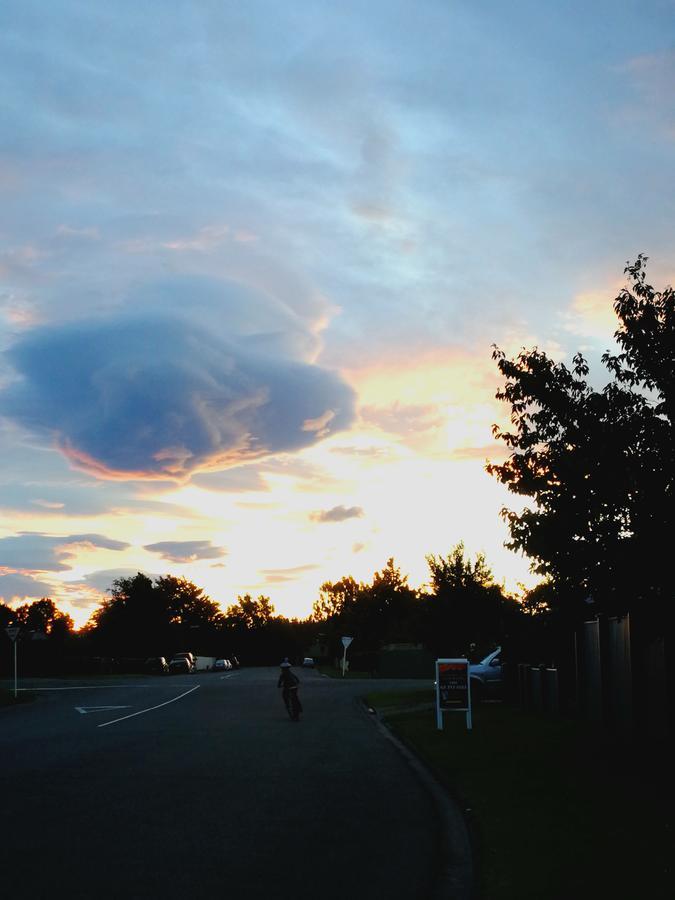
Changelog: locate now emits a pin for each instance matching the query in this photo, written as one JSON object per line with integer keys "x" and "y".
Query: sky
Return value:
{"x": 254, "y": 257}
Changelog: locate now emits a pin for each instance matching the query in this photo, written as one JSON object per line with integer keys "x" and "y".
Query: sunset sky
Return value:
{"x": 253, "y": 257}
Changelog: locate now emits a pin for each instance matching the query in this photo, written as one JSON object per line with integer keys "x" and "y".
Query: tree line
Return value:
{"x": 461, "y": 607}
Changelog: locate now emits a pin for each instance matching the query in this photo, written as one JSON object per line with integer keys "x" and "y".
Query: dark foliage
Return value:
{"x": 598, "y": 465}
{"x": 142, "y": 618}
{"x": 465, "y": 613}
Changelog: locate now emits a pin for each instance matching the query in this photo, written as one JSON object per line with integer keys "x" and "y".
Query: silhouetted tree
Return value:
{"x": 148, "y": 619}
{"x": 597, "y": 464}
{"x": 335, "y": 599}
{"x": 249, "y": 613}
{"x": 7, "y": 615}
{"x": 186, "y": 604}
{"x": 385, "y": 611}
{"x": 465, "y": 606}
{"x": 43, "y": 616}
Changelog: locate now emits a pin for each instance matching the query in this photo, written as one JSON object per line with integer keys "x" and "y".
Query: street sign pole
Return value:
{"x": 13, "y": 634}
{"x": 346, "y": 641}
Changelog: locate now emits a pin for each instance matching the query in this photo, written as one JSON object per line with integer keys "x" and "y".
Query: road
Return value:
{"x": 195, "y": 786}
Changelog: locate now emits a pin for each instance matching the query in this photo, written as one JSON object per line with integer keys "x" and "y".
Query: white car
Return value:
{"x": 222, "y": 665}
{"x": 308, "y": 662}
{"x": 486, "y": 676}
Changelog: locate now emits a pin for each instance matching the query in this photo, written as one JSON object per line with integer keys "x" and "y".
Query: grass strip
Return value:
{"x": 555, "y": 813}
{"x": 332, "y": 672}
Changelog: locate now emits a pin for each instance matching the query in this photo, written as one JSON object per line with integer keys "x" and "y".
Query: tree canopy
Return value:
{"x": 147, "y": 617}
{"x": 43, "y": 616}
{"x": 249, "y": 613}
{"x": 597, "y": 464}
{"x": 465, "y": 606}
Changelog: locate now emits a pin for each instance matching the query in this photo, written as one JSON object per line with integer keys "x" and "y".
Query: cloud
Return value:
{"x": 21, "y": 587}
{"x": 73, "y": 499}
{"x": 337, "y": 514}
{"x": 652, "y": 76}
{"x": 102, "y": 579}
{"x": 592, "y": 313}
{"x": 37, "y": 552}
{"x": 185, "y": 551}
{"x": 283, "y": 576}
{"x": 156, "y": 397}
{"x": 404, "y": 419}
{"x": 239, "y": 480}
{"x": 367, "y": 452}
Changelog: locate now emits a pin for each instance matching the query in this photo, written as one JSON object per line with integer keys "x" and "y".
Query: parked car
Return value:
{"x": 222, "y": 665}
{"x": 486, "y": 676}
{"x": 235, "y": 662}
{"x": 186, "y": 655}
{"x": 180, "y": 665}
{"x": 157, "y": 665}
{"x": 308, "y": 662}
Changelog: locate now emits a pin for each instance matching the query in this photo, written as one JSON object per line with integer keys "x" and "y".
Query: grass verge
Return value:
{"x": 554, "y": 813}
{"x": 332, "y": 672}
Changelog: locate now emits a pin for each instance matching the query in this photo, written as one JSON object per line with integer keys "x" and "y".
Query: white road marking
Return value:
{"x": 84, "y": 687}
{"x": 150, "y": 708}
{"x": 231, "y": 675}
{"x": 87, "y": 709}
{"x": 95, "y": 687}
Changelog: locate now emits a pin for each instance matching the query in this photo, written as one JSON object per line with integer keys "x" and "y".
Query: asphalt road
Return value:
{"x": 216, "y": 793}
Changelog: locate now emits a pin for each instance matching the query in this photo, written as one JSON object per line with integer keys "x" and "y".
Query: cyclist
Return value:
{"x": 289, "y": 681}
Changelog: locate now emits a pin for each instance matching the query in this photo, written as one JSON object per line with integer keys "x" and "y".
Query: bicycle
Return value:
{"x": 293, "y": 705}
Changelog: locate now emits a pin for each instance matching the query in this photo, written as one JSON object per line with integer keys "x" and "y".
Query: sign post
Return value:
{"x": 12, "y": 634}
{"x": 453, "y": 689}
{"x": 346, "y": 641}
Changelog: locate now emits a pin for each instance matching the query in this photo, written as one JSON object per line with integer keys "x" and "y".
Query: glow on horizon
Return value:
{"x": 415, "y": 491}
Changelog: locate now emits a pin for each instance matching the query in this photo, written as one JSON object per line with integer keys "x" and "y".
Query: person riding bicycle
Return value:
{"x": 289, "y": 681}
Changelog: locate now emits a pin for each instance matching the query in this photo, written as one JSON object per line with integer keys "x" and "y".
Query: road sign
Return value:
{"x": 346, "y": 641}
{"x": 453, "y": 689}
{"x": 13, "y": 632}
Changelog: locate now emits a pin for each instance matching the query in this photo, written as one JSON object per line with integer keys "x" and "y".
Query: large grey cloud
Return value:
{"x": 38, "y": 552}
{"x": 160, "y": 396}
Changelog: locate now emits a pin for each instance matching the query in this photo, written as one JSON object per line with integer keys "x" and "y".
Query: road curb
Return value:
{"x": 455, "y": 876}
